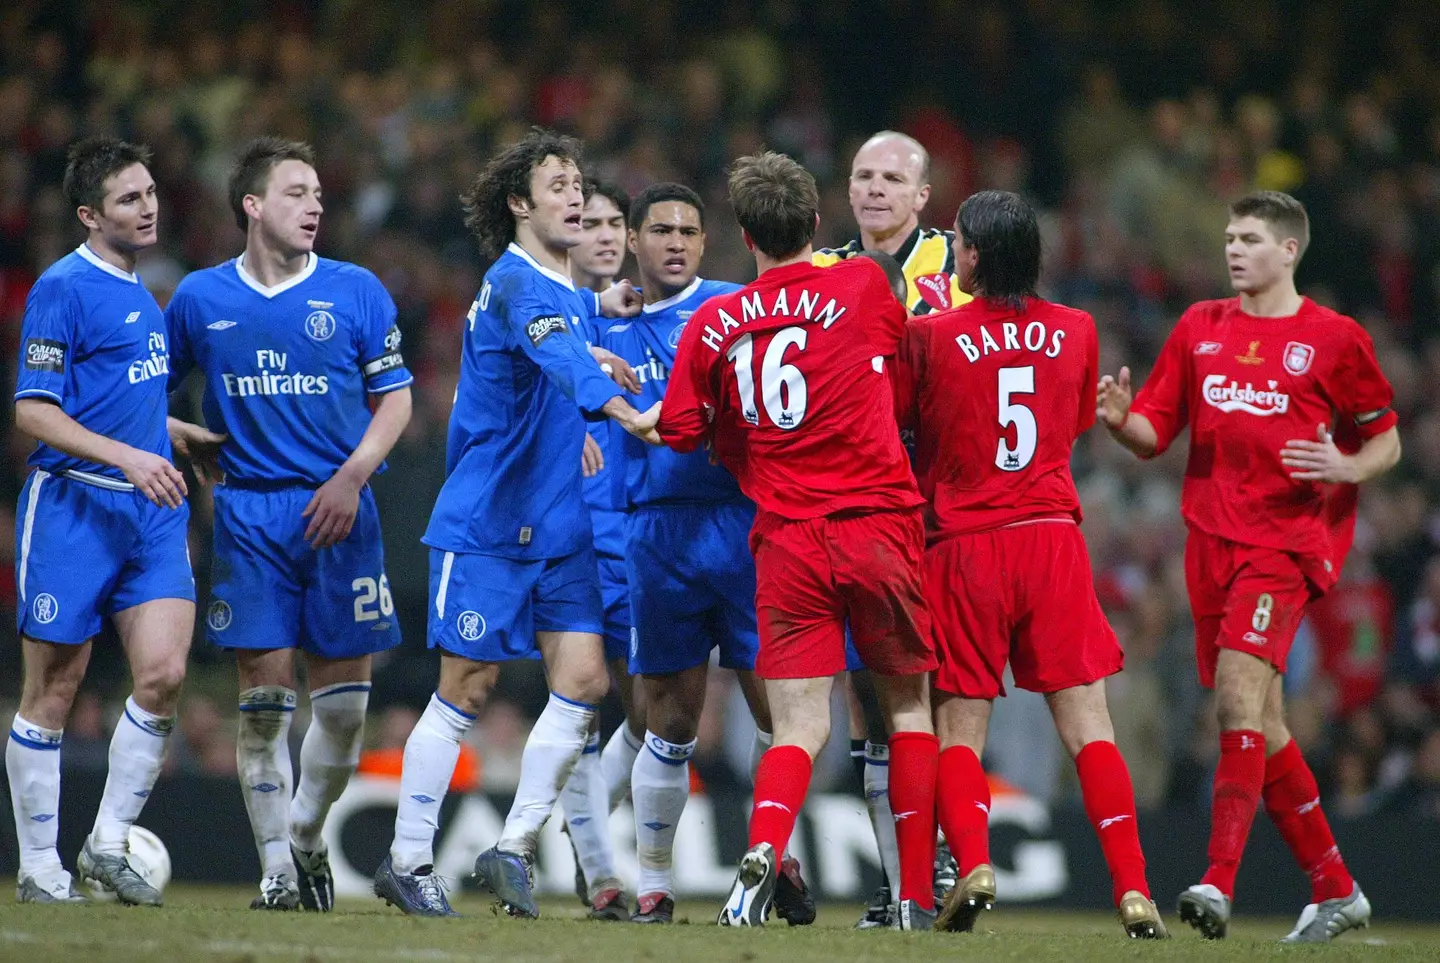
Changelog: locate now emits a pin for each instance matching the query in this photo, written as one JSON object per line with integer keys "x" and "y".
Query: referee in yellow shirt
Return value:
{"x": 889, "y": 185}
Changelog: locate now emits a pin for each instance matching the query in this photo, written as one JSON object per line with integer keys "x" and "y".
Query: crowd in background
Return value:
{"x": 1128, "y": 124}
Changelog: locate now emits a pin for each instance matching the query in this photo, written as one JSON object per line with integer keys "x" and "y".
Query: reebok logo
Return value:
{"x": 900, "y": 817}
{"x": 982, "y": 807}
{"x": 1247, "y": 742}
{"x": 772, "y": 804}
{"x": 1304, "y": 808}
{"x": 1113, "y": 820}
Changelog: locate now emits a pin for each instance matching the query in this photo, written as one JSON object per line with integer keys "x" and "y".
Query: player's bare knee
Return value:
{"x": 1241, "y": 687}
{"x": 1081, "y": 716}
{"x": 466, "y": 684}
{"x": 157, "y": 685}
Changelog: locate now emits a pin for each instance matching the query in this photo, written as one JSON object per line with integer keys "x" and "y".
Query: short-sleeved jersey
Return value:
{"x": 604, "y": 491}
{"x": 1246, "y": 385}
{"x": 287, "y": 368}
{"x": 93, "y": 341}
{"x": 996, "y": 397}
{"x": 656, "y": 475}
{"x": 786, "y": 378}
{"x": 928, "y": 259}
{"x": 512, "y": 459}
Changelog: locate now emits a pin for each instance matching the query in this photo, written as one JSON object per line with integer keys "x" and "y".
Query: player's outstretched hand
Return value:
{"x": 592, "y": 459}
{"x": 332, "y": 511}
{"x": 643, "y": 425}
{"x": 199, "y": 446}
{"x": 1112, "y": 399}
{"x": 621, "y": 300}
{"x": 155, "y": 478}
{"x": 1318, "y": 461}
{"x": 617, "y": 368}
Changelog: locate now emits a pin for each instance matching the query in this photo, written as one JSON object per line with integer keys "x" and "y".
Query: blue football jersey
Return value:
{"x": 93, "y": 341}
{"x": 287, "y": 369}
{"x": 604, "y": 491}
{"x": 512, "y": 460}
{"x": 657, "y": 474}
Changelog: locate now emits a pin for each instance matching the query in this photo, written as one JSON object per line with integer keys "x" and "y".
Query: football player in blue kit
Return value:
{"x": 100, "y": 530}
{"x": 295, "y": 348}
{"x": 687, "y": 558}
{"x": 593, "y": 790}
{"x": 512, "y": 560}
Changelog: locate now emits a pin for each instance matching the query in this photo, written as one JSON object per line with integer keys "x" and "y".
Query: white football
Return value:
{"x": 148, "y": 857}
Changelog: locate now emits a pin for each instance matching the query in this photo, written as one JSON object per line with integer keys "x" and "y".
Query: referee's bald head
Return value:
{"x": 893, "y": 138}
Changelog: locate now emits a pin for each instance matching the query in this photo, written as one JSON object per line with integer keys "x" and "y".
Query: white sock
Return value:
{"x": 584, "y": 800}
{"x": 137, "y": 751}
{"x": 556, "y": 741}
{"x": 328, "y": 757}
{"x": 262, "y": 754}
{"x": 877, "y": 801}
{"x": 32, "y": 765}
{"x": 660, "y": 783}
{"x": 430, "y": 756}
{"x": 616, "y": 761}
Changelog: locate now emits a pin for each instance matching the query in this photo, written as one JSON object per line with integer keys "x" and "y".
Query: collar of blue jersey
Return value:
{"x": 555, "y": 276}
{"x": 300, "y": 276}
{"x": 104, "y": 265}
{"x": 675, "y": 299}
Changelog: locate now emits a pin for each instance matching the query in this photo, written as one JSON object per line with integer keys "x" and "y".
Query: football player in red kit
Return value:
{"x": 1288, "y": 411}
{"x": 997, "y": 390}
{"x": 786, "y": 380}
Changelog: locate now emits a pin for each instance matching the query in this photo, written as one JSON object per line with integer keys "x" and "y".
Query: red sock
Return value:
{"x": 963, "y": 796}
{"x": 781, "y": 781}
{"x": 1293, "y": 801}
{"x": 1110, "y": 804}
{"x": 914, "y": 759}
{"x": 1238, "y": 781}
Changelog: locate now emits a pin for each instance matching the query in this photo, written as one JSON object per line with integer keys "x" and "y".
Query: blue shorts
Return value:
{"x": 853, "y": 662}
{"x": 487, "y": 608}
{"x": 83, "y": 553}
{"x": 615, "y": 597}
{"x": 273, "y": 591}
{"x": 692, "y": 581}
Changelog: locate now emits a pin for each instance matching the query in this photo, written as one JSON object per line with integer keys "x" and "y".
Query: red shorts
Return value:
{"x": 1244, "y": 598}
{"x": 1022, "y": 594}
{"x": 815, "y": 576}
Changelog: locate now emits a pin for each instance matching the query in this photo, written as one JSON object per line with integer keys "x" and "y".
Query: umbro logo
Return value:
{"x": 220, "y": 325}
{"x": 656, "y": 826}
{"x": 43, "y": 817}
{"x": 423, "y": 799}
{"x": 132, "y": 317}
{"x": 579, "y": 820}
{"x": 265, "y": 787}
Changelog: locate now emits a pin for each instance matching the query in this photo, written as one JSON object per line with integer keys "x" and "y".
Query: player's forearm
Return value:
{"x": 1137, "y": 434}
{"x": 392, "y": 414}
{"x": 48, "y": 423}
{"x": 1377, "y": 456}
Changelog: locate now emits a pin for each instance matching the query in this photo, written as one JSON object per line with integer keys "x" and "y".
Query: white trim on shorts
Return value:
{"x": 444, "y": 584}
{"x": 29, "y": 530}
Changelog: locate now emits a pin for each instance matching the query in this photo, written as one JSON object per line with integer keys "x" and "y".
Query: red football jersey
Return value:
{"x": 1245, "y": 386}
{"x": 996, "y": 397}
{"x": 786, "y": 378}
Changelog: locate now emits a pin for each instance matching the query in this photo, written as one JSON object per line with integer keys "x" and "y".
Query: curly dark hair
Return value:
{"x": 92, "y": 162}
{"x": 507, "y": 175}
{"x": 252, "y": 170}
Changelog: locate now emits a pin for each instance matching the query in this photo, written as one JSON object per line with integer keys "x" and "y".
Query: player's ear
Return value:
{"x": 632, "y": 242}
{"x": 518, "y": 205}
{"x": 250, "y": 204}
{"x": 88, "y": 216}
{"x": 921, "y": 196}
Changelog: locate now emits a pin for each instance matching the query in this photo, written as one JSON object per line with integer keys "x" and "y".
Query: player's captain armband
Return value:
{"x": 388, "y": 361}
{"x": 544, "y": 326}
{"x": 42, "y": 354}
{"x": 1371, "y": 416}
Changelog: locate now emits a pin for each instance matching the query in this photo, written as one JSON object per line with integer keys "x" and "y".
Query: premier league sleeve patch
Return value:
{"x": 42, "y": 354}
{"x": 544, "y": 326}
